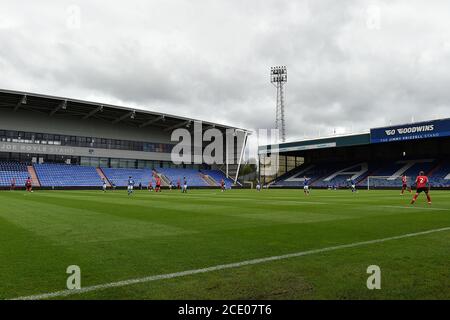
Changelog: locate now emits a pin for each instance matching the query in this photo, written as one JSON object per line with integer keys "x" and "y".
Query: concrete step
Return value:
{"x": 209, "y": 180}
{"x": 164, "y": 180}
{"x": 34, "y": 178}
{"x": 103, "y": 176}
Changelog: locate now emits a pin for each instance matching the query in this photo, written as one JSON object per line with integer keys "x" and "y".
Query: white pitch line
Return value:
{"x": 64, "y": 293}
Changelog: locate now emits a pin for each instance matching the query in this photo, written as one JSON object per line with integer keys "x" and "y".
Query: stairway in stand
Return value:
{"x": 102, "y": 176}
{"x": 33, "y": 176}
{"x": 165, "y": 182}
{"x": 209, "y": 180}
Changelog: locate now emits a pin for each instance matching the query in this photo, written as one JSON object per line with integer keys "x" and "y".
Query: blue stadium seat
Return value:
{"x": 193, "y": 176}
{"x": 439, "y": 177}
{"x": 10, "y": 171}
{"x": 62, "y": 175}
{"x": 120, "y": 176}
{"x": 218, "y": 175}
{"x": 436, "y": 170}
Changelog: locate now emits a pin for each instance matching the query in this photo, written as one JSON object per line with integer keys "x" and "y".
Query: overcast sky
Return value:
{"x": 352, "y": 64}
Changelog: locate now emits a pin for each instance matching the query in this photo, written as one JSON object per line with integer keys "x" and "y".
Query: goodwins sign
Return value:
{"x": 422, "y": 130}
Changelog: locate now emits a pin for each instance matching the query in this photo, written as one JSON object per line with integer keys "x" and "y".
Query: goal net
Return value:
{"x": 374, "y": 182}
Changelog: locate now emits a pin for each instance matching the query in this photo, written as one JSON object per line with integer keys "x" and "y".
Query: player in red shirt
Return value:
{"x": 158, "y": 184}
{"x": 178, "y": 184}
{"x": 222, "y": 185}
{"x": 405, "y": 185}
{"x": 29, "y": 185}
{"x": 150, "y": 186}
{"x": 422, "y": 186}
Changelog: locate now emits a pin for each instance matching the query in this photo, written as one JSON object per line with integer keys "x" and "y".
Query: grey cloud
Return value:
{"x": 211, "y": 59}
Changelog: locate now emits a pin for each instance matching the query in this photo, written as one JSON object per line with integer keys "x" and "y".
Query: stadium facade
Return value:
{"x": 378, "y": 158}
{"x": 40, "y": 132}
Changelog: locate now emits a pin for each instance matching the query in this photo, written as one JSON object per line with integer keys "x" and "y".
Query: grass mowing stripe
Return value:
{"x": 123, "y": 283}
{"x": 416, "y": 208}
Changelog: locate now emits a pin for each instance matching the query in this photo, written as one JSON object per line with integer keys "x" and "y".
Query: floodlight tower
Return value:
{"x": 278, "y": 77}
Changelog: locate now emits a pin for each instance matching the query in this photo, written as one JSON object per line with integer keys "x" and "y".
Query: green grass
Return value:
{"x": 114, "y": 237}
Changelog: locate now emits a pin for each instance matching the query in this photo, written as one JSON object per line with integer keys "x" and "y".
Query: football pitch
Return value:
{"x": 241, "y": 244}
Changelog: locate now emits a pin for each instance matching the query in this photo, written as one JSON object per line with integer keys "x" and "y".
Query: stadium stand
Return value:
{"x": 339, "y": 175}
{"x": 62, "y": 175}
{"x": 440, "y": 175}
{"x": 394, "y": 170}
{"x": 332, "y": 174}
{"x": 313, "y": 172}
{"x": 321, "y": 175}
{"x": 218, "y": 175}
{"x": 13, "y": 170}
{"x": 193, "y": 176}
{"x": 120, "y": 176}
{"x": 103, "y": 176}
{"x": 34, "y": 178}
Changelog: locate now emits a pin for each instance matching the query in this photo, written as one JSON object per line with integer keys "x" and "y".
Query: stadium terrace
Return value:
{"x": 376, "y": 159}
{"x": 68, "y": 143}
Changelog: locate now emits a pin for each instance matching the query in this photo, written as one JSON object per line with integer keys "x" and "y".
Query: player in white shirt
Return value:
{"x": 104, "y": 185}
{"x": 130, "y": 185}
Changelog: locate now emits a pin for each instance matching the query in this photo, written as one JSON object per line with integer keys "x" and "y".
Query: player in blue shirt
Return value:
{"x": 130, "y": 185}
{"x": 306, "y": 185}
{"x": 353, "y": 185}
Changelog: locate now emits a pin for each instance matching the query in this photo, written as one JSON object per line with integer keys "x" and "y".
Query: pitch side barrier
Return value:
{"x": 358, "y": 187}
{"x": 6, "y": 188}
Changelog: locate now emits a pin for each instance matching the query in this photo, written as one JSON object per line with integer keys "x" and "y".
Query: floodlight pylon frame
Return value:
{"x": 278, "y": 77}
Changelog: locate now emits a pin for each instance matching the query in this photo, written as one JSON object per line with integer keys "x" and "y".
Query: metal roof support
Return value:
{"x": 209, "y": 127}
{"x": 22, "y": 101}
{"x": 182, "y": 124}
{"x": 62, "y": 105}
{"x": 241, "y": 156}
{"x": 90, "y": 114}
{"x": 109, "y": 111}
{"x": 126, "y": 115}
{"x": 145, "y": 124}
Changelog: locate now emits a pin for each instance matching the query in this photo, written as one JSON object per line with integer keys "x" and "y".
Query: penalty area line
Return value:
{"x": 123, "y": 283}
